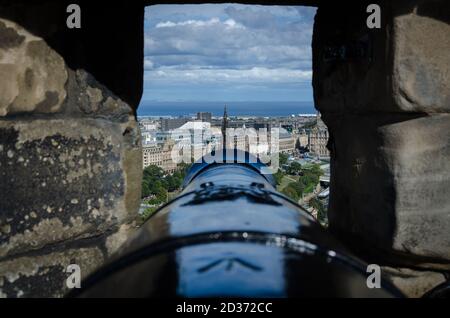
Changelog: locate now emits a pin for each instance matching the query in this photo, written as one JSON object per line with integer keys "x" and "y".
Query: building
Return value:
{"x": 237, "y": 138}
{"x": 148, "y": 137}
{"x": 286, "y": 142}
{"x": 318, "y": 139}
{"x": 148, "y": 124}
{"x": 148, "y": 129}
{"x": 224, "y": 128}
{"x": 204, "y": 116}
{"x": 196, "y": 137}
{"x": 168, "y": 124}
{"x": 159, "y": 155}
{"x": 303, "y": 138}
{"x": 163, "y": 136}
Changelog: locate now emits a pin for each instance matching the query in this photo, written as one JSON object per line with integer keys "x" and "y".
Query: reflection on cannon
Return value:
{"x": 231, "y": 234}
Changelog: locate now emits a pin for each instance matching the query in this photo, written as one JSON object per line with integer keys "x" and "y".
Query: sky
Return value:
{"x": 227, "y": 52}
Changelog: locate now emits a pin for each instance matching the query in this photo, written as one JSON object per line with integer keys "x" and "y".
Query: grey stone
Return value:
{"x": 390, "y": 177}
{"x": 388, "y": 117}
{"x": 62, "y": 180}
{"x": 421, "y": 59}
{"x": 413, "y": 283}
{"x": 70, "y": 157}
{"x": 45, "y": 275}
{"x": 406, "y": 67}
{"x": 33, "y": 75}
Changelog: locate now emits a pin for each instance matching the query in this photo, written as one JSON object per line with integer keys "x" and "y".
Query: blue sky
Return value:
{"x": 227, "y": 52}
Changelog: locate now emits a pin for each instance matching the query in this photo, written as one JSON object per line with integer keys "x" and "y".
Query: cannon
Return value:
{"x": 231, "y": 234}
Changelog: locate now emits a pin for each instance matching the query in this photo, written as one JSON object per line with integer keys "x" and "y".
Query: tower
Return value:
{"x": 224, "y": 127}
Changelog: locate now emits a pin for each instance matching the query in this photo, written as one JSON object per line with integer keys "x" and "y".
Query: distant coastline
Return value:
{"x": 251, "y": 109}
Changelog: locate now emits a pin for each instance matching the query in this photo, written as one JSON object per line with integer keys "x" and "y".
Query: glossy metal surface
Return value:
{"x": 231, "y": 234}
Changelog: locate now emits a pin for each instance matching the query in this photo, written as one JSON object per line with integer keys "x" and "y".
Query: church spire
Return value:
{"x": 224, "y": 127}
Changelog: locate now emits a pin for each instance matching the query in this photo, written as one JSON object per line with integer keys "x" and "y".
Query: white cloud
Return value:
{"x": 230, "y": 23}
{"x": 148, "y": 64}
{"x": 231, "y": 45}
{"x": 226, "y": 76}
{"x": 225, "y": 41}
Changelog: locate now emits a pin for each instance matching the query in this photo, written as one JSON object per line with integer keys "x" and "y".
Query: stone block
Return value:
{"x": 405, "y": 66}
{"x": 33, "y": 76}
{"x": 390, "y": 176}
{"x": 65, "y": 179}
{"x": 421, "y": 59}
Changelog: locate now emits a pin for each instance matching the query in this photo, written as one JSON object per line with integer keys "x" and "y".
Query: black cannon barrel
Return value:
{"x": 231, "y": 234}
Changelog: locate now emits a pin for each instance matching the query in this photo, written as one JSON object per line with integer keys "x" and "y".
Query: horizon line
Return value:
{"x": 222, "y": 101}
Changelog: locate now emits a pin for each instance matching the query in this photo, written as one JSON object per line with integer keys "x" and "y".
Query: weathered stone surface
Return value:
{"x": 65, "y": 179}
{"x": 94, "y": 99}
{"x": 390, "y": 181}
{"x": 70, "y": 157}
{"x": 388, "y": 115}
{"x": 421, "y": 59}
{"x": 350, "y": 83}
{"x": 413, "y": 283}
{"x": 115, "y": 241}
{"x": 406, "y": 67}
{"x": 44, "y": 275}
{"x": 33, "y": 75}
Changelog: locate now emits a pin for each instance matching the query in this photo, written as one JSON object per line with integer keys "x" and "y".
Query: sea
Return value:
{"x": 243, "y": 109}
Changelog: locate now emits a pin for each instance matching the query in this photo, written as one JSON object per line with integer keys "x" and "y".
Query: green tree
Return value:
{"x": 309, "y": 179}
{"x": 153, "y": 182}
{"x": 315, "y": 169}
{"x": 321, "y": 211}
{"x": 153, "y": 172}
{"x": 148, "y": 212}
{"x": 145, "y": 190}
{"x": 290, "y": 192}
{"x": 282, "y": 158}
{"x": 278, "y": 176}
{"x": 158, "y": 183}
{"x": 294, "y": 168}
{"x": 298, "y": 187}
{"x": 173, "y": 182}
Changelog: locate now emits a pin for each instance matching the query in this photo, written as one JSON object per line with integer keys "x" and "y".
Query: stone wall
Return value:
{"x": 388, "y": 113}
{"x": 70, "y": 157}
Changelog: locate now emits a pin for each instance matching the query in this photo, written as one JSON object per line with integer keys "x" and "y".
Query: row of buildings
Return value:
{"x": 168, "y": 141}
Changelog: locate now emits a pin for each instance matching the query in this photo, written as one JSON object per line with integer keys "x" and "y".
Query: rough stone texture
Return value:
{"x": 78, "y": 174}
{"x": 45, "y": 275}
{"x": 388, "y": 116}
{"x": 116, "y": 241}
{"x": 413, "y": 283}
{"x": 76, "y": 89}
{"x": 392, "y": 191}
{"x": 94, "y": 99}
{"x": 70, "y": 157}
{"x": 421, "y": 46}
{"x": 33, "y": 75}
{"x": 351, "y": 84}
{"x": 406, "y": 67}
